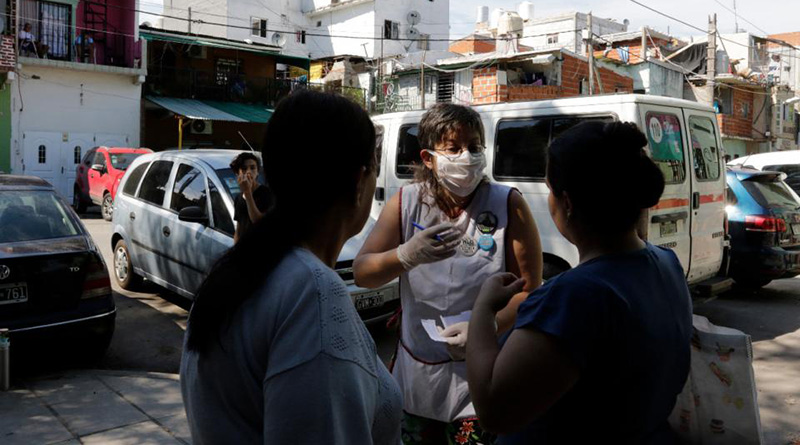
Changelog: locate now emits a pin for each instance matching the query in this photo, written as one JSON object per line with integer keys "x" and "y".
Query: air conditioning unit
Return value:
{"x": 197, "y": 52}
{"x": 201, "y": 127}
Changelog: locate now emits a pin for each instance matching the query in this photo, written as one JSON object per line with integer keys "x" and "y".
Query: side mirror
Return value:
{"x": 99, "y": 167}
{"x": 193, "y": 214}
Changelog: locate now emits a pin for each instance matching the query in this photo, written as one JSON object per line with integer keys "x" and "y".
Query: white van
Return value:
{"x": 683, "y": 140}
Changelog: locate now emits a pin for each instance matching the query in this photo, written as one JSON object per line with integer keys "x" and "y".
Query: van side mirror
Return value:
{"x": 193, "y": 214}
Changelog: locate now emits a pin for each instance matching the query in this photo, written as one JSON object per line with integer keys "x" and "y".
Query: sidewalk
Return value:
{"x": 95, "y": 407}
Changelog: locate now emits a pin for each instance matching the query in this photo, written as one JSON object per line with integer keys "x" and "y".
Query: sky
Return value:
{"x": 772, "y": 16}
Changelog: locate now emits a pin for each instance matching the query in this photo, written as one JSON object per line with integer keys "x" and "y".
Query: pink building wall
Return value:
{"x": 121, "y": 25}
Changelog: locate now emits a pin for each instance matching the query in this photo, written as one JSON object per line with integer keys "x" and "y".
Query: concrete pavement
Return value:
{"x": 95, "y": 407}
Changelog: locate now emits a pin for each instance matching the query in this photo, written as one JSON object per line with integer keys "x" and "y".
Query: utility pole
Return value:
{"x": 590, "y": 54}
{"x": 643, "y": 53}
{"x": 422, "y": 82}
{"x": 711, "y": 60}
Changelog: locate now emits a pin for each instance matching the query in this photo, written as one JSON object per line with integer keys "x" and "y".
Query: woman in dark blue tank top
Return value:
{"x": 600, "y": 352}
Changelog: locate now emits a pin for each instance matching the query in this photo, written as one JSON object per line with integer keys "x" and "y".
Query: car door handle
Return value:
{"x": 132, "y": 216}
{"x": 668, "y": 217}
{"x": 380, "y": 194}
{"x": 165, "y": 231}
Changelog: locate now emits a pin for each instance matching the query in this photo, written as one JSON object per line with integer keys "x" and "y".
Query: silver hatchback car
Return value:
{"x": 173, "y": 218}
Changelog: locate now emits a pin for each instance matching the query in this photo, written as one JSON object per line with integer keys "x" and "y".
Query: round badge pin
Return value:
{"x": 486, "y": 222}
{"x": 486, "y": 242}
{"x": 468, "y": 246}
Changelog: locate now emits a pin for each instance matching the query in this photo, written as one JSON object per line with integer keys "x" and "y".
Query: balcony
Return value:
{"x": 90, "y": 36}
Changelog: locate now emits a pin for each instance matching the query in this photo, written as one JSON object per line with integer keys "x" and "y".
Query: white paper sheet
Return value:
{"x": 453, "y": 319}
{"x": 433, "y": 330}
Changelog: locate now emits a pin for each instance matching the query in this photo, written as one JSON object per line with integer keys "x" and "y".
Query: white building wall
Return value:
{"x": 284, "y": 17}
{"x": 210, "y": 11}
{"x": 435, "y": 19}
{"x": 65, "y": 108}
{"x": 355, "y": 21}
{"x": 569, "y": 29}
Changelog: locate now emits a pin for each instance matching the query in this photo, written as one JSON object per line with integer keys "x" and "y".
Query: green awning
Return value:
{"x": 213, "y": 110}
{"x": 216, "y": 42}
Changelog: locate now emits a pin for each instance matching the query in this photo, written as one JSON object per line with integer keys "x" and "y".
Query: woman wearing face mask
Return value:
{"x": 444, "y": 235}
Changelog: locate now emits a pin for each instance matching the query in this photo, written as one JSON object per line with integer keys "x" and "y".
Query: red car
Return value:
{"x": 98, "y": 174}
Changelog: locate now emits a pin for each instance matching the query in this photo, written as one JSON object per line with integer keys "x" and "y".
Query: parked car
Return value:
{"x": 174, "y": 218}
{"x": 781, "y": 161}
{"x": 53, "y": 281}
{"x": 684, "y": 141}
{"x": 98, "y": 176}
{"x": 764, "y": 219}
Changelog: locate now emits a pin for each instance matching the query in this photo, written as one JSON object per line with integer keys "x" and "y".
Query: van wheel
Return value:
{"x": 107, "y": 208}
{"x": 551, "y": 269}
{"x": 751, "y": 283}
{"x": 123, "y": 268}
{"x": 77, "y": 203}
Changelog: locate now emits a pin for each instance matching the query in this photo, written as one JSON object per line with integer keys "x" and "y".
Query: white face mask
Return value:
{"x": 461, "y": 174}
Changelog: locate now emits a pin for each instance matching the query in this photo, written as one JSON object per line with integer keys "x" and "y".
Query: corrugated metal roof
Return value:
{"x": 532, "y": 56}
{"x": 194, "y": 109}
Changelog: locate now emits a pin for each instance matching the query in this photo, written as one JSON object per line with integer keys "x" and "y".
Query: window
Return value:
{"x": 378, "y": 147}
{"x": 391, "y": 30}
{"x": 88, "y": 157}
{"x": 154, "y": 186}
{"x": 521, "y": 145}
{"x": 407, "y": 151}
{"x": 423, "y": 43}
{"x": 34, "y": 215}
{"x": 189, "y": 189}
{"x": 301, "y": 37}
{"x": 792, "y": 174}
{"x": 259, "y": 27}
{"x": 54, "y": 23}
{"x": 666, "y": 145}
{"x": 730, "y": 197}
{"x": 771, "y": 193}
{"x": 132, "y": 183}
{"x": 319, "y": 23}
{"x": 121, "y": 161}
{"x": 552, "y": 39}
{"x": 76, "y": 155}
{"x": 724, "y": 102}
{"x": 42, "y": 154}
{"x": 227, "y": 70}
{"x": 704, "y": 148}
{"x": 99, "y": 159}
{"x": 222, "y": 218}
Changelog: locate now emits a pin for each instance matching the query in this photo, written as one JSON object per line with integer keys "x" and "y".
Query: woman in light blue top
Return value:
{"x": 275, "y": 351}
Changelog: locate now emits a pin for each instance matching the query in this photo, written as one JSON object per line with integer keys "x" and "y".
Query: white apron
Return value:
{"x": 433, "y": 385}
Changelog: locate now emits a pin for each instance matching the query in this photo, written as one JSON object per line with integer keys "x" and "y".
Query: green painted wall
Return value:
{"x": 5, "y": 127}
{"x": 735, "y": 147}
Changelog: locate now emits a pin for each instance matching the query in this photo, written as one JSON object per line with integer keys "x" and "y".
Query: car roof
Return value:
{"x": 761, "y": 160}
{"x": 578, "y": 101}
{"x": 18, "y": 182}
{"x": 127, "y": 150}
{"x": 215, "y": 158}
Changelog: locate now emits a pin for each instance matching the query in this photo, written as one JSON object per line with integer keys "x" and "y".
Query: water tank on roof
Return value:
{"x": 510, "y": 23}
{"x": 483, "y": 14}
{"x": 495, "y": 19}
{"x": 525, "y": 10}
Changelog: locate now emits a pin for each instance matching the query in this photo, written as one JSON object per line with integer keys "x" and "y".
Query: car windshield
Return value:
{"x": 34, "y": 215}
{"x": 771, "y": 193}
{"x": 121, "y": 161}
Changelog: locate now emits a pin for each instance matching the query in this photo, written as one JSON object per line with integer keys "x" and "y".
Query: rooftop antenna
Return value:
{"x": 245, "y": 141}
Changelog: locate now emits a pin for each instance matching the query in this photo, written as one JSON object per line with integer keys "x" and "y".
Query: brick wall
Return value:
{"x": 738, "y": 123}
{"x": 533, "y": 92}
{"x": 7, "y": 55}
{"x": 484, "y": 87}
{"x": 574, "y": 69}
{"x": 635, "y": 49}
{"x": 472, "y": 46}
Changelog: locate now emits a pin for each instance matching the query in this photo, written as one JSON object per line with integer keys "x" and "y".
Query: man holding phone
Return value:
{"x": 254, "y": 199}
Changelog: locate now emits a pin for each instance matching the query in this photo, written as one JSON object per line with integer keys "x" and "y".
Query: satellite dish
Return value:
{"x": 412, "y": 33}
{"x": 413, "y": 17}
{"x": 278, "y": 39}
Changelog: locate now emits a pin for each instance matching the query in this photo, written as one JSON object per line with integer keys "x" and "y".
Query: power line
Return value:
{"x": 738, "y": 16}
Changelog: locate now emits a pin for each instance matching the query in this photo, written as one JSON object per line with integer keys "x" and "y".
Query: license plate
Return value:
{"x": 796, "y": 229}
{"x": 369, "y": 300}
{"x": 668, "y": 228}
{"x": 13, "y": 293}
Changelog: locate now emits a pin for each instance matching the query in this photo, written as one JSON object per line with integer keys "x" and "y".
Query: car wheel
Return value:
{"x": 77, "y": 203}
{"x": 123, "y": 268}
{"x": 751, "y": 283}
{"x": 107, "y": 207}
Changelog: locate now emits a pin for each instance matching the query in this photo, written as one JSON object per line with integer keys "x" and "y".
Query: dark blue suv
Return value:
{"x": 764, "y": 224}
